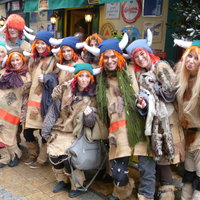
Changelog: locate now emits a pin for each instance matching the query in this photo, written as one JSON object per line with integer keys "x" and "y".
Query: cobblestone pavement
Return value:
{"x": 24, "y": 183}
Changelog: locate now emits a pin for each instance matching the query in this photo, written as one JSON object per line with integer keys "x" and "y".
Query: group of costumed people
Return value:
{"x": 51, "y": 89}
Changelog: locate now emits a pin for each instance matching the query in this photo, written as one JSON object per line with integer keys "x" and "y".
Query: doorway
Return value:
{"x": 76, "y": 22}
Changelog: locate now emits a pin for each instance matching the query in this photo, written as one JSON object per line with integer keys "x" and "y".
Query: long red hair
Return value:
{"x": 154, "y": 58}
{"x": 8, "y": 61}
{"x": 60, "y": 55}
{"x": 35, "y": 52}
{"x": 9, "y": 67}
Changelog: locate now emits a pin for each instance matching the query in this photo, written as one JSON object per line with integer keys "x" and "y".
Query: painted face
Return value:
{"x": 2, "y": 54}
{"x": 67, "y": 53}
{"x": 14, "y": 33}
{"x": 142, "y": 59}
{"x": 83, "y": 81}
{"x": 16, "y": 61}
{"x": 40, "y": 46}
{"x": 192, "y": 62}
{"x": 93, "y": 43}
{"x": 110, "y": 60}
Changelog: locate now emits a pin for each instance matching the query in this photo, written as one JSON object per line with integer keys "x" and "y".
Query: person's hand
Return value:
{"x": 41, "y": 78}
{"x": 88, "y": 110}
{"x": 141, "y": 102}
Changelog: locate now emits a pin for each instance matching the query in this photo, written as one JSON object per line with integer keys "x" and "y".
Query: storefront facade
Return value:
{"x": 109, "y": 18}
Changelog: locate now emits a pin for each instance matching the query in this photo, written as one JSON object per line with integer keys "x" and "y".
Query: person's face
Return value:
{"x": 93, "y": 43}
{"x": 2, "y": 54}
{"x": 14, "y": 33}
{"x": 110, "y": 60}
{"x": 67, "y": 53}
{"x": 16, "y": 61}
{"x": 142, "y": 59}
{"x": 192, "y": 62}
{"x": 83, "y": 81}
{"x": 40, "y": 46}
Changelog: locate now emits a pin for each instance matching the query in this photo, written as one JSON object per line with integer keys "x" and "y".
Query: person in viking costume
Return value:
{"x": 42, "y": 67}
{"x": 77, "y": 109}
{"x": 3, "y": 55}
{"x": 14, "y": 30}
{"x": 116, "y": 106}
{"x": 67, "y": 54}
{"x": 91, "y": 41}
{"x": 189, "y": 115}
{"x": 157, "y": 84}
{"x": 15, "y": 82}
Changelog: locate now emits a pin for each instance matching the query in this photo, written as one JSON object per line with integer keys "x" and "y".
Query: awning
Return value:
{"x": 32, "y": 5}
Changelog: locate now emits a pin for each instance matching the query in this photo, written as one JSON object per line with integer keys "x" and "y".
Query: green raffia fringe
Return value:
{"x": 101, "y": 98}
{"x": 135, "y": 122}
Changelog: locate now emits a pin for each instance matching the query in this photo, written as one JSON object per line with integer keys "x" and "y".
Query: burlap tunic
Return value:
{"x": 65, "y": 131}
{"x": 10, "y": 110}
{"x": 117, "y": 126}
{"x": 46, "y": 65}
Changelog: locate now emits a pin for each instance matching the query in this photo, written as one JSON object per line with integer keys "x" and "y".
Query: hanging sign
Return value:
{"x": 112, "y": 10}
{"x": 131, "y": 10}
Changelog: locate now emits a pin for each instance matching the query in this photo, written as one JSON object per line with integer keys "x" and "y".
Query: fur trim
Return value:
{"x": 166, "y": 192}
{"x": 166, "y": 76}
{"x": 196, "y": 195}
{"x": 187, "y": 191}
{"x": 125, "y": 191}
{"x": 141, "y": 197}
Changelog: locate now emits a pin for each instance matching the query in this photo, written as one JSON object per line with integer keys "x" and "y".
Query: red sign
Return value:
{"x": 131, "y": 10}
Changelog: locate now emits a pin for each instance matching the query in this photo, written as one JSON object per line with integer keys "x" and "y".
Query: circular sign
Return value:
{"x": 131, "y": 10}
{"x": 106, "y": 30}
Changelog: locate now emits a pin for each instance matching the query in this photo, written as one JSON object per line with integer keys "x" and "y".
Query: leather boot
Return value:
{"x": 62, "y": 180}
{"x": 33, "y": 149}
{"x": 61, "y": 185}
{"x": 166, "y": 192}
{"x": 124, "y": 192}
{"x": 196, "y": 195}
{"x": 75, "y": 193}
{"x": 187, "y": 191}
{"x": 15, "y": 154}
{"x": 142, "y": 197}
{"x": 14, "y": 162}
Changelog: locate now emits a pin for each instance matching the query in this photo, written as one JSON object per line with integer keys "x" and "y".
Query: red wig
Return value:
{"x": 121, "y": 60}
{"x": 17, "y": 22}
